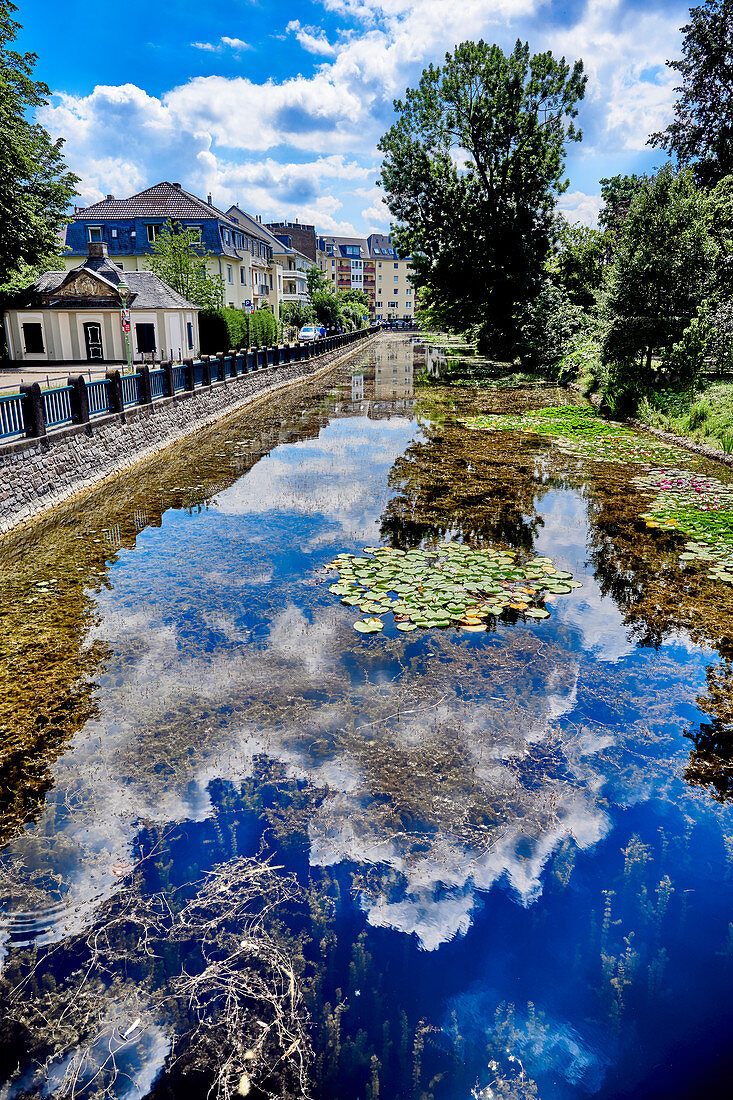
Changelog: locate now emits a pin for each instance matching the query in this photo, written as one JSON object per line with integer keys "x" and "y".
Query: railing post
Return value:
{"x": 221, "y": 367}
{"x": 206, "y": 371}
{"x": 190, "y": 380}
{"x": 116, "y": 399}
{"x": 79, "y": 400}
{"x": 146, "y": 390}
{"x": 168, "y": 381}
{"x": 34, "y": 413}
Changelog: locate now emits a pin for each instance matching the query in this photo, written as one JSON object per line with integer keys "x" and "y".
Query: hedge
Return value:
{"x": 221, "y": 329}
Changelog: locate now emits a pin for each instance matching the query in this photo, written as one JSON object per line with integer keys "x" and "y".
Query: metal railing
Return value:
{"x": 131, "y": 389}
{"x": 35, "y": 411}
{"x": 157, "y": 383}
{"x": 98, "y": 396}
{"x": 57, "y": 405}
{"x": 12, "y": 416}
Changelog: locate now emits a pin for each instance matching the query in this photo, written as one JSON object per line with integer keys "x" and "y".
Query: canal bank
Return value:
{"x": 37, "y": 474}
{"x": 492, "y": 860}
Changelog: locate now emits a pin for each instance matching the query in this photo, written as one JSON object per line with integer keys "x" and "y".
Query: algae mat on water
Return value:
{"x": 453, "y": 585}
{"x": 579, "y": 431}
{"x": 696, "y": 506}
{"x": 700, "y": 507}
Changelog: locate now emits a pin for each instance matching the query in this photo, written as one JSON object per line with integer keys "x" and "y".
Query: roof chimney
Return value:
{"x": 177, "y": 186}
{"x": 110, "y": 197}
{"x": 208, "y": 199}
{"x": 97, "y": 250}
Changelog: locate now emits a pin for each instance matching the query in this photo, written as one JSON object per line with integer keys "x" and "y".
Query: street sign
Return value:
{"x": 248, "y": 302}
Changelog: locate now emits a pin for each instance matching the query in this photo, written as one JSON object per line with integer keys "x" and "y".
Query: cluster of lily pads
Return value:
{"x": 452, "y": 585}
{"x": 701, "y": 507}
{"x": 578, "y": 431}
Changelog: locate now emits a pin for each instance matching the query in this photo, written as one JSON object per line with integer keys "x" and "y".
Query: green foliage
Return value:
{"x": 581, "y": 360}
{"x": 358, "y": 298}
{"x": 618, "y": 192}
{"x": 471, "y": 169}
{"x": 688, "y": 355}
{"x": 35, "y": 185}
{"x": 328, "y": 308}
{"x": 700, "y": 134}
{"x": 578, "y": 261}
{"x": 222, "y": 329}
{"x": 548, "y": 325}
{"x": 662, "y": 270}
{"x": 263, "y": 328}
{"x": 296, "y": 314}
{"x": 316, "y": 281}
{"x": 179, "y": 259}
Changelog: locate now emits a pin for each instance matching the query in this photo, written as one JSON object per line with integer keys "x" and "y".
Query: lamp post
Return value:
{"x": 124, "y": 292}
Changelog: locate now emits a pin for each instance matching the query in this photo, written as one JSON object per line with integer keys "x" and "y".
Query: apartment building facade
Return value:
{"x": 296, "y": 235}
{"x": 373, "y": 265}
{"x": 240, "y": 253}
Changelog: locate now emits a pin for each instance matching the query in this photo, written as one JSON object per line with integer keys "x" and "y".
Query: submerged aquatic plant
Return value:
{"x": 578, "y": 431}
{"x": 451, "y": 585}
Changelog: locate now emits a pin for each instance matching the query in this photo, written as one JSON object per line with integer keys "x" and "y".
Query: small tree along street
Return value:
{"x": 179, "y": 259}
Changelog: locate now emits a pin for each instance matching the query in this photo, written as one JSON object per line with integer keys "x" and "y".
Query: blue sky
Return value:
{"x": 279, "y": 106}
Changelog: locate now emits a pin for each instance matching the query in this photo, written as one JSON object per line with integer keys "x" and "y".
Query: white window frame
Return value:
{"x": 144, "y": 319}
{"x": 94, "y": 229}
{"x": 153, "y": 232}
{"x": 230, "y": 274}
{"x": 33, "y": 319}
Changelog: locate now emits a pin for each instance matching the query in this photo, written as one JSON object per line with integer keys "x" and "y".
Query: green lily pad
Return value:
{"x": 369, "y": 626}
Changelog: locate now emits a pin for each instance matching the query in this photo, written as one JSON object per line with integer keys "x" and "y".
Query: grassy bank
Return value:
{"x": 707, "y": 419}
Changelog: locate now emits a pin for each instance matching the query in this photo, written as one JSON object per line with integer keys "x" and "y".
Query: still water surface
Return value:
{"x": 500, "y": 863}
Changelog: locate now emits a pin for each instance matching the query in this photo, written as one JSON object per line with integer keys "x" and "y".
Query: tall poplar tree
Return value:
{"x": 471, "y": 171}
{"x": 35, "y": 185}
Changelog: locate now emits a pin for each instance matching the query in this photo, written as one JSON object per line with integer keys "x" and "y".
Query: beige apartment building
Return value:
{"x": 373, "y": 265}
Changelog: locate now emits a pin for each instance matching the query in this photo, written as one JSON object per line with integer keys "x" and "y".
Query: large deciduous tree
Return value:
{"x": 701, "y": 133}
{"x": 471, "y": 170}
{"x": 664, "y": 268}
{"x": 35, "y": 185}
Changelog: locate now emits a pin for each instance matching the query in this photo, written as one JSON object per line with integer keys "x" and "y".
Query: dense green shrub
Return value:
{"x": 547, "y": 326}
{"x": 222, "y": 329}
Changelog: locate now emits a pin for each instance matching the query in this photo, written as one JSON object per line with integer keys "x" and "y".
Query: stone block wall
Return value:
{"x": 37, "y": 474}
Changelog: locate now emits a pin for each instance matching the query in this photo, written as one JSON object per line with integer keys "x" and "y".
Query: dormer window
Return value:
{"x": 95, "y": 233}
{"x": 196, "y": 232}
{"x": 153, "y": 233}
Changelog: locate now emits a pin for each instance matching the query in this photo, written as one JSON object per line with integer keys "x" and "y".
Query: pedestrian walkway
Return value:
{"x": 12, "y": 377}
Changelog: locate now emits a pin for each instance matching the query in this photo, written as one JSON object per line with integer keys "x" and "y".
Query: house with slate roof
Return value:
{"x": 75, "y": 316}
{"x": 240, "y": 254}
{"x": 292, "y": 276}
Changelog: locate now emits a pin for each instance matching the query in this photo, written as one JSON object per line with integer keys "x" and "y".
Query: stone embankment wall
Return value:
{"x": 38, "y": 474}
